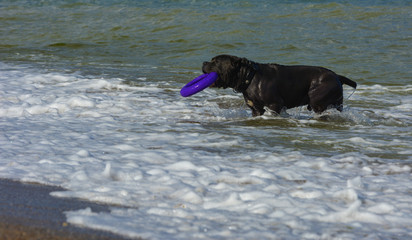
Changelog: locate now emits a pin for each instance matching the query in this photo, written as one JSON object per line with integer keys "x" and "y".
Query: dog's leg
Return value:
{"x": 257, "y": 110}
{"x": 319, "y": 106}
{"x": 328, "y": 93}
{"x": 276, "y": 108}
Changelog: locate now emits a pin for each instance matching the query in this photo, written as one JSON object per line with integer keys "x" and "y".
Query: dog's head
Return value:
{"x": 233, "y": 71}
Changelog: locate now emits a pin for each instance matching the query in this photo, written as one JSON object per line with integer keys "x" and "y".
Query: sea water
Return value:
{"x": 89, "y": 100}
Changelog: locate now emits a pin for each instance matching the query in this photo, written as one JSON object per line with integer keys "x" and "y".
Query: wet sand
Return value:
{"x": 27, "y": 211}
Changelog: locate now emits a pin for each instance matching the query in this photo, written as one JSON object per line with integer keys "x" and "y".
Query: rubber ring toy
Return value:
{"x": 198, "y": 84}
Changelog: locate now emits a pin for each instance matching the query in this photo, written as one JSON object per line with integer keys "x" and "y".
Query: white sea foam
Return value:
{"x": 172, "y": 174}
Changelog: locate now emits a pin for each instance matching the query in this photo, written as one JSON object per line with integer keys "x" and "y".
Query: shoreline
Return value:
{"x": 28, "y": 211}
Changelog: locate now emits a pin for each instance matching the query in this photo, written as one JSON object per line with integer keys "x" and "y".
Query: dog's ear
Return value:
{"x": 239, "y": 62}
{"x": 242, "y": 67}
{"x": 244, "y": 61}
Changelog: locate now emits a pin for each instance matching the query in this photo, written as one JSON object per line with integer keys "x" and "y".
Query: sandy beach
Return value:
{"x": 27, "y": 211}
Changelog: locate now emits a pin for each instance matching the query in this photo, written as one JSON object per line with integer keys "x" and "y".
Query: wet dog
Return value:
{"x": 279, "y": 87}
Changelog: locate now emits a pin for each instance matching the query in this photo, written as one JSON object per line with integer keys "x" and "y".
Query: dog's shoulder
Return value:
{"x": 269, "y": 69}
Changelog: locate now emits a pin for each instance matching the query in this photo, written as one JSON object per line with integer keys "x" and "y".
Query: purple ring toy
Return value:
{"x": 198, "y": 84}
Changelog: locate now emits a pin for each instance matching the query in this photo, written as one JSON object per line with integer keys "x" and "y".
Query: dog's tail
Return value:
{"x": 347, "y": 81}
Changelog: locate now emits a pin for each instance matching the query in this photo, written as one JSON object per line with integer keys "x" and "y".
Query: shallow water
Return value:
{"x": 89, "y": 100}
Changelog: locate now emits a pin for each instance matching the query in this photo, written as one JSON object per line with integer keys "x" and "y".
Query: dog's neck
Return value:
{"x": 252, "y": 68}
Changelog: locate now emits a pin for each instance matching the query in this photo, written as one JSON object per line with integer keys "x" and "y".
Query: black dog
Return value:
{"x": 279, "y": 87}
